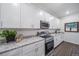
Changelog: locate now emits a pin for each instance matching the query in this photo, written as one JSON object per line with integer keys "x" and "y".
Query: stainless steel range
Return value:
{"x": 49, "y": 41}
{"x": 49, "y": 45}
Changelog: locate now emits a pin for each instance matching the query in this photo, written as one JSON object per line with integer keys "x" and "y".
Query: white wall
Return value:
{"x": 72, "y": 37}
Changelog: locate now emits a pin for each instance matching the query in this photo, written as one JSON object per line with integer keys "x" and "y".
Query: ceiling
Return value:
{"x": 59, "y": 9}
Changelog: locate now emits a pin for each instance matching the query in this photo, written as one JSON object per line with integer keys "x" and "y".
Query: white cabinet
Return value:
{"x": 25, "y": 16}
{"x": 10, "y": 16}
{"x": 30, "y": 53}
{"x": 41, "y": 51}
{"x": 20, "y": 16}
{"x": 36, "y": 49}
{"x": 0, "y": 17}
{"x": 40, "y": 48}
{"x": 15, "y": 52}
{"x": 29, "y": 17}
{"x": 29, "y": 50}
{"x": 57, "y": 39}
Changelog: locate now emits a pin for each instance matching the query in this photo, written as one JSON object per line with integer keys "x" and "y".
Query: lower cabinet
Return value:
{"x": 35, "y": 49}
{"x": 29, "y": 50}
{"x": 57, "y": 40}
{"x": 40, "y": 51}
{"x": 14, "y": 52}
{"x": 29, "y": 53}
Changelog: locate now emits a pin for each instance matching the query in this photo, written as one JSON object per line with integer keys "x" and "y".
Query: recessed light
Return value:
{"x": 41, "y": 13}
{"x": 67, "y": 12}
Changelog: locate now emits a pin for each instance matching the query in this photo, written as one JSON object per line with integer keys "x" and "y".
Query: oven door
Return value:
{"x": 49, "y": 46}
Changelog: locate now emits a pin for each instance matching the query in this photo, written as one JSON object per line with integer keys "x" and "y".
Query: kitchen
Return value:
{"x": 37, "y": 29}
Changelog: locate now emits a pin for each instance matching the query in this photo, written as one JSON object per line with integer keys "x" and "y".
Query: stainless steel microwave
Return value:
{"x": 44, "y": 24}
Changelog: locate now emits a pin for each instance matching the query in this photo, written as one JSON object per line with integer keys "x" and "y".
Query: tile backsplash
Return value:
{"x": 30, "y": 32}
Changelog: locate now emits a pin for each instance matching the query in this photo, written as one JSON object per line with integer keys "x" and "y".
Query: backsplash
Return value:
{"x": 30, "y": 32}
{"x": 33, "y": 32}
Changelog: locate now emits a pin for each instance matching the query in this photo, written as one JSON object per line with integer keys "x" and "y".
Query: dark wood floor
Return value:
{"x": 66, "y": 49}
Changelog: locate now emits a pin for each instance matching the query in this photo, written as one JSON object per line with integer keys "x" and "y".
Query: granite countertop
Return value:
{"x": 13, "y": 45}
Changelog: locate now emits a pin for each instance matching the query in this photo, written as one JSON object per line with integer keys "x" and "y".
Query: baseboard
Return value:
{"x": 67, "y": 42}
{"x": 58, "y": 45}
{"x": 72, "y": 43}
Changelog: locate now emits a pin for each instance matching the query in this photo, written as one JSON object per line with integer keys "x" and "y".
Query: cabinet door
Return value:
{"x": 57, "y": 40}
{"x": 15, "y": 52}
{"x": 29, "y": 17}
{"x": 29, "y": 50}
{"x": 36, "y": 49}
{"x": 0, "y": 17}
{"x": 40, "y": 48}
{"x": 10, "y": 15}
{"x": 29, "y": 53}
{"x": 25, "y": 16}
{"x": 40, "y": 51}
{"x": 36, "y": 19}
{"x": 60, "y": 39}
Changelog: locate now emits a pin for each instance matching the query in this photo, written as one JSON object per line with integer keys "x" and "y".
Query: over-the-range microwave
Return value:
{"x": 44, "y": 24}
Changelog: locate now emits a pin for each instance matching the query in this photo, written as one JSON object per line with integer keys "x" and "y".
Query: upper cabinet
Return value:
{"x": 10, "y": 16}
{"x": 29, "y": 16}
{"x": 23, "y": 16}
{"x": 50, "y": 19}
{"x": 19, "y": 16}
{"x": 55, "y": 23}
